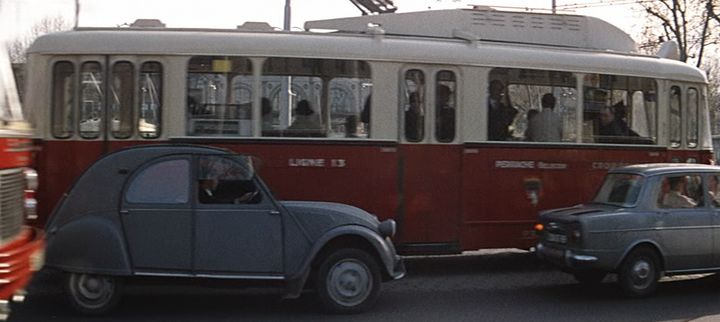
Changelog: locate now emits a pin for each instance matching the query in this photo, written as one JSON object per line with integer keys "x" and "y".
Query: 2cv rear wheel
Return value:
{"x": 93, "y": 294}
{"x": 348, "y": 281}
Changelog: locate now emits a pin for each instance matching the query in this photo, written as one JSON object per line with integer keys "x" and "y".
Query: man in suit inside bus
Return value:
{"x": 500, "y": 113}
{"x": 546, "y": 126}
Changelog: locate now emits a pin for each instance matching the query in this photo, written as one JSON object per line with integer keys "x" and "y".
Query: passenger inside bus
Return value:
{"x": 305, "y": 117}
{"x": 445, "y": 116}
{"x": 546, "y": 126}
{"x": 413, "y": 118}
{"x": 266, "y": 110}
{"x": 613, "y": 123}
{"x": 500, "y": 112}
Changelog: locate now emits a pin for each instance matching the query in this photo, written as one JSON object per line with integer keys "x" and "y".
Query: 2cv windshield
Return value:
{"x": 620, "y": 189}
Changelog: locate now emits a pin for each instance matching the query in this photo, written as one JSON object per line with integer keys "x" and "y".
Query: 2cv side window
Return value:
{"x": 226, "y": 180}
{"x": 165, "y": 182}
{"x": 681, "y": 191}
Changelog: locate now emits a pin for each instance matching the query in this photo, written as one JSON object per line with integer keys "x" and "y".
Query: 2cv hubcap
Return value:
{"x": 349, "y": 282}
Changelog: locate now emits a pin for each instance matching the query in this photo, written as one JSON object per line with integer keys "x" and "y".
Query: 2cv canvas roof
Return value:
{"x": 98, "y": 190}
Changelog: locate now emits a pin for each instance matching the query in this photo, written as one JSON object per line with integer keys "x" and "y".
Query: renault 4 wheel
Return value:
{"x": 348, "y": 281}
{"x": 93, "y": 294}
{"x": 640, "y": 272}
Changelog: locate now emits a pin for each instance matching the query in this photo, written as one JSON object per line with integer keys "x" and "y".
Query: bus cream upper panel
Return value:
{"x": 362, "y": 47}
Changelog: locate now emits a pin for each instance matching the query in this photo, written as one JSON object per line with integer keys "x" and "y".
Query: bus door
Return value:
{"x": 430, "y": 159}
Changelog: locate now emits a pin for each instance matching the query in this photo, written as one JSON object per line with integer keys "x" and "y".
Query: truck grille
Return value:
{"x": 12, "y": 186}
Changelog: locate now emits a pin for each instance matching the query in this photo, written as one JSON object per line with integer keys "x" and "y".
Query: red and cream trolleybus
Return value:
{"x": 21, "y": 246}
{"x": 459, "y": 124}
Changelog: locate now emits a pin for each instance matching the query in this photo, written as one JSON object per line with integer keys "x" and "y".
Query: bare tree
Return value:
{"x": 45, "y": 26}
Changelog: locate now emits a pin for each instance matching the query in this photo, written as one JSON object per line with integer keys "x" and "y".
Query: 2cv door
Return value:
{"x": 157, "y": 216}
{"x": 238, "y": 229}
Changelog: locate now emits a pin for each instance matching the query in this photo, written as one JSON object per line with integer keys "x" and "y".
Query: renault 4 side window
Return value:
{"x": 226, "y": 180}
{"x": 681, "y": 191}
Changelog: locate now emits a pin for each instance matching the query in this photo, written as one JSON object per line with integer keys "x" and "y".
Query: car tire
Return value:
{"x": 589, "y": 277}
{"x": 639, "y": 272}
{"x": 93, "y": 294}
{"x": 348, "y": 281}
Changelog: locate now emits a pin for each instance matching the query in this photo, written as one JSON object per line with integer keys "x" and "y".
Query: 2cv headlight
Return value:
{"x": 387, "y": 228}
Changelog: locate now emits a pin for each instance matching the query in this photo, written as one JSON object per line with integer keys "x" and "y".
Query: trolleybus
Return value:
{"x": 434, "y": 119}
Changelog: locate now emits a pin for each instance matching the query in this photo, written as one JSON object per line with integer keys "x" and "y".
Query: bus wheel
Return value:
{"x": 348, "y": 281}
{"x": 590, "y": 277}
{"x": 93, "y": 294}
{"x": 639, "y": 272}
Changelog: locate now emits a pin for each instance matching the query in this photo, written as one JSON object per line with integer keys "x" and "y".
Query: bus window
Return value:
{"x": 445, "y": 106}
{"x": 348, "y": 99}
{"x": 150, "y": 100}
{"x": 63, "y": 99}
{"x": 414, "y": 105}
{"x": 692, "y": 121}
{"x": 619, "y": 110}
{"x": 304, "y": 97}
{"x": 675, "y": 117}
{"x": 121, "y": 101}
{"x": 218, "y": 92}
{"x": 91, "y": 100}
{"x": 538, "y": 105}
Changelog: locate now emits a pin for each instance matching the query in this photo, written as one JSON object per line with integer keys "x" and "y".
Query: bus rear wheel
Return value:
{"x": 348, "y": 281}
{"x": 93, "y": 294}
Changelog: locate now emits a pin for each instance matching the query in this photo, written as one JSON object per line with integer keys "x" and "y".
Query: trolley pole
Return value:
{"x": 286, "y": 25}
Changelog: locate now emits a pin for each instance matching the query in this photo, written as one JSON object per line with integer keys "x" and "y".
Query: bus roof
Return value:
{"x": 363, "y": 46}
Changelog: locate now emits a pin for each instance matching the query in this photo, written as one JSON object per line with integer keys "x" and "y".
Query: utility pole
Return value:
{"x": 554, "y": 6}
{"x": 286, "y": 25}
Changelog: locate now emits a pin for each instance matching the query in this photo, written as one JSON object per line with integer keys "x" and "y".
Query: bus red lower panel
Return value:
{"x": 16, "y": 259}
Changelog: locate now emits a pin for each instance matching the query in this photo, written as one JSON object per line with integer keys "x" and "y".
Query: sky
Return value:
{"x": 230, "y": 13}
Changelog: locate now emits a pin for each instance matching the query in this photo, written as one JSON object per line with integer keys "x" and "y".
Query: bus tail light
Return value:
{"x": 31, "y": 185}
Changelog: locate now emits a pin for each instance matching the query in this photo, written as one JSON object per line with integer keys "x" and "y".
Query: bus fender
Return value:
{"x": 88, "y": 244}
{"x": 382, "y": 250}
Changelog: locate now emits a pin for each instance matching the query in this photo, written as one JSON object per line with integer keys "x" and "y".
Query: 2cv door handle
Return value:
{"x": 274, "y": 213}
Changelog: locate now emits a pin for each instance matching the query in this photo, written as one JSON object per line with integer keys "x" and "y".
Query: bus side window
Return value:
{"x": 414, "y": 106}
{"x": 91, "y": 100}
{"x": 692, "y": 117}
{"x": 151, "y": 90}
{"x": 219, "y": 90}
{"x": 121, "y": 100}
{"x": 445, "y": 103}
{"x": 619, "y": 110}
{"x": 63, "y": 99}
{"x": 675, "y": 117}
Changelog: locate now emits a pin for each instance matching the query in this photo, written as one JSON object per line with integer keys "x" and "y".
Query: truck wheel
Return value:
{"x": 93, "y": 294}
{"x": 639, "y": 273}
{"x": 348, "y": 281}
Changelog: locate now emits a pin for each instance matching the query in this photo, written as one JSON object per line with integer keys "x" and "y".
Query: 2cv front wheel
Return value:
{"x": 93, "y": 294}
{"x": 348, "y": 281}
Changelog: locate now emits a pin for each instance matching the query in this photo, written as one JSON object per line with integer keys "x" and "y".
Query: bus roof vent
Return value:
{"x": 147, "y": 23}
{"x": 255, "y": 26}
{"x": 493, "y": 25}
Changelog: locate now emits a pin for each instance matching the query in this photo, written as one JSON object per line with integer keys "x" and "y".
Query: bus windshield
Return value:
{"x": 10, "y": 109}
{"x": 620, "y": 189}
